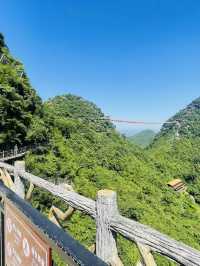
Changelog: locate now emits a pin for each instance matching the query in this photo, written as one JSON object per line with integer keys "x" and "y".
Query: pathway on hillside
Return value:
{"x": 14, "y": 153}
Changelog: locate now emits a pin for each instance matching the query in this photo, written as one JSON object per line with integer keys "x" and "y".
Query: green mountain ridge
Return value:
{"x": 143, "y": 138}
{"x": 76, "y": 145}
{"x": 186, "y": 123}
{"x": 18, "y": 100}
{"x": 178, "y": 155}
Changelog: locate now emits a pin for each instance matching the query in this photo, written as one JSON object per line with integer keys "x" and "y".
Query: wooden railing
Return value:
{"x": 21, "y": 223}
{"x": 109, "y": 222}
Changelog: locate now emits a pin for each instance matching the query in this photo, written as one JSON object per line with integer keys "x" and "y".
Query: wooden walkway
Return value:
{"x": 12, "y": 157}
{"x": 15, "y": 153}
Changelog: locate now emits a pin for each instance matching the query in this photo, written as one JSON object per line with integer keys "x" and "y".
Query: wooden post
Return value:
{"x": 147, "y": 257}
{"x": 106, "y": 207}
{"x": 29, "y": 192}
{"x": 6, "y": 178}
{"x": 139, "y": 263}
{"x": 19, "y": 186}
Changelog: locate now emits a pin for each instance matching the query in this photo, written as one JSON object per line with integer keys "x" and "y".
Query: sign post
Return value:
{"x": 23, "y": 246}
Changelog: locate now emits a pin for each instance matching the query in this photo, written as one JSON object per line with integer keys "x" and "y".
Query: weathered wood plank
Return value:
{"x": 73, "y": 199}
{"x": 147, "y": 257}
{"x": 139, "y": 263}
{"x": 156, "y": 241}
{"x": 62, "y": 215}
{"x": 29, "y": 192}
{"x": 53, "y": 218}
{"x": 19, "y": 186}
{"x": 7, "y": 180}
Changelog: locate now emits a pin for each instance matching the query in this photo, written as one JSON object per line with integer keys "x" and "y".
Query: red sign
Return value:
{"x": 23, "y": 246}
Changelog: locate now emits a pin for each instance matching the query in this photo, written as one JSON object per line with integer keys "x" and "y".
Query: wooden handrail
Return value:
{"x": 130, "y": 229}
{"x": 69, "y": 249}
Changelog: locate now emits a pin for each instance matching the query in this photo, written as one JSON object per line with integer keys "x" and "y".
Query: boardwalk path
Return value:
{"x": 14, "y": 153}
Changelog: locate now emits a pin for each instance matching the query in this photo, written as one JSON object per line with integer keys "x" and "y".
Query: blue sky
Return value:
{"x": 135, "y": 59}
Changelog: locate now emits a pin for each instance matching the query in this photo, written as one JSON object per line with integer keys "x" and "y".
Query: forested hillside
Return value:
{"x": 179, "y": 155}
{"x": 88, "y": 152}
{"x": 186, "y": 123}
{"x": 77, "y": 146}
{"x": 18, "y": 101}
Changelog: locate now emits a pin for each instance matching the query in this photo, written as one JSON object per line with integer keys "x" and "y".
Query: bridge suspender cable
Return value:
{"x": 126, "y": 121}
{"x": 141, "y": 122}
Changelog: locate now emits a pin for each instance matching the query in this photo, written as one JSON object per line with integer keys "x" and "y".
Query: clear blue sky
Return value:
{"x": 135, "y": 59}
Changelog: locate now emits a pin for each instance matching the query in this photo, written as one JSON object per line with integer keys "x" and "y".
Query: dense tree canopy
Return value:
{"x": 2, "y": 43}
{"x": 18, "y": 101}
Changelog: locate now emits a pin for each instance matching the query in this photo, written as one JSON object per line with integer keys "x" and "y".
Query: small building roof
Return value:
{"x": 174, "y": 182}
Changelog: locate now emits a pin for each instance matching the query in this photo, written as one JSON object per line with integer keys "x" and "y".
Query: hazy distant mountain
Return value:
{"x": 143, "y": 138}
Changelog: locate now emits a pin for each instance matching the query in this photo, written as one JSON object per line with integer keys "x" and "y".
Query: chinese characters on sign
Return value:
{"x": 23, "y": 246}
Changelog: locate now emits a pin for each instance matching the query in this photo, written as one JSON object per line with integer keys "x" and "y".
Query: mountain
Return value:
{"x": 176, "y": 149}
{"x": 79, "y": 146}
{"x": 186, "y": 123}
{"x": 143, "y": 138}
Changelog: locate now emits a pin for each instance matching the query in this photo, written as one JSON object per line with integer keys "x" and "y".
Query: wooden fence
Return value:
{"x": 109, "y": 222}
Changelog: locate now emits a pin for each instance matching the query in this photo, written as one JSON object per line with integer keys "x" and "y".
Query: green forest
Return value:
{"x": 77, "y": 144}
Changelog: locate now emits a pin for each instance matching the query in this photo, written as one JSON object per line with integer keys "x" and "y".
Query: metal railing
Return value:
{"x": 16, "y": 152}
